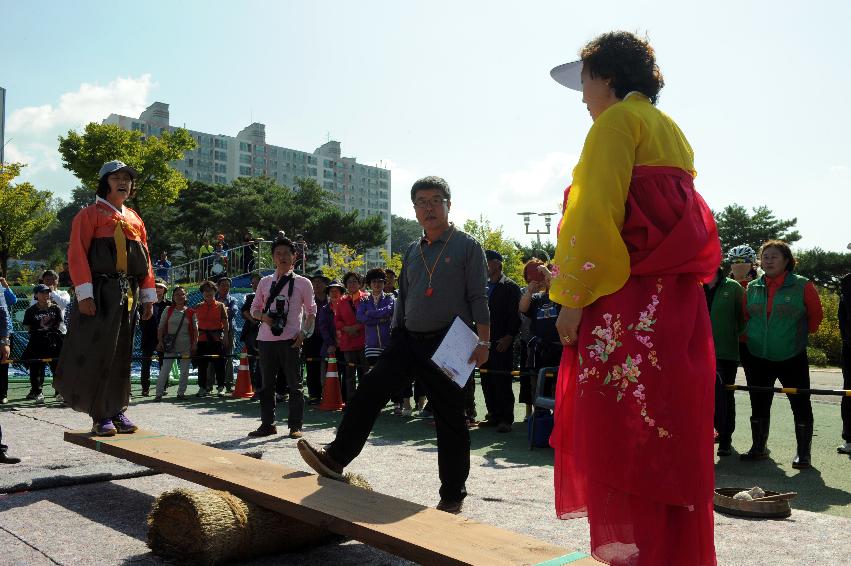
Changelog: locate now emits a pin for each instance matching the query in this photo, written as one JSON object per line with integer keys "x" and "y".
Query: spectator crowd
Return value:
{"x": 353, "y": 322}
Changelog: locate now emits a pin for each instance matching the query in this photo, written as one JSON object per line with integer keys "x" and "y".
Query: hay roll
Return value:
{"x": 213, "y": 527}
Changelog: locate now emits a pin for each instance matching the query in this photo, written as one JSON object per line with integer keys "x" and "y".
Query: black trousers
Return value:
{"x": 408, "y": 355}
{"x": 725, "y": 401}
{"x": 148, "y": 352}
{"x": 37, "y": 374}
{"x": 794, "y": 372}
{"x": 497, "y": 387}
{"x": 412, "y": 388}
{"x": 4, "y": 372}
{"x": 253, "y": 361}
{"x": 846, "y": 384}
{"x": 207, "y": 348}
{"x": 280, "y": 358}
{"x": 358, "y": 358}
{"x": 314, "y": 377}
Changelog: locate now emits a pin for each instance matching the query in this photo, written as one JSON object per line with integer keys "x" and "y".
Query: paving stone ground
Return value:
{"x": 103, "y": 522}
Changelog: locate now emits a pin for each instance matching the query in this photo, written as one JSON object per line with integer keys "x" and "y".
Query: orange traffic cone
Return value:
{"x": 332, "y": 399}
{"x": 243, "y": 377}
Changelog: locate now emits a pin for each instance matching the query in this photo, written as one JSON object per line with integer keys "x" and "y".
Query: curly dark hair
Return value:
{"x": 374, "y": 274}
{"x": 431, "y": 182}
{"x": 626, "y": 60}
{"x": 282, "y": 240}
{"x": 351, "y": 274}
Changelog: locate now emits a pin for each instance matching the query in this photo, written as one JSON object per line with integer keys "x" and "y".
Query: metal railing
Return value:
{"x": 233, "y": 262}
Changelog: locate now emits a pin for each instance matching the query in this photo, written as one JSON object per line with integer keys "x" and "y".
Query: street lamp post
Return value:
{"x": 301, "y": 252}
{"x": 527, "y": 219}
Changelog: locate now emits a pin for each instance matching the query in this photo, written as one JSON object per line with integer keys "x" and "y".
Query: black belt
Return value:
{"x": 423, "y": 336}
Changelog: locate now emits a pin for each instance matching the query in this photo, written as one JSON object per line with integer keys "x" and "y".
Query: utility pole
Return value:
{"x": 2, "y": 125}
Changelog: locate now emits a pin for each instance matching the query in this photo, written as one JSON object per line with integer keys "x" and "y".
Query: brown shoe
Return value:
{"x": 453, "y": 507}
{"x": 319, "y": 460}
{"x": 503, "y": 427}
{"x": 264, "y": 430}
{"x": 296, "y": 433}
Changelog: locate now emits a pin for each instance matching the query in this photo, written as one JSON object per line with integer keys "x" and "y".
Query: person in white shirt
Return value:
{"x": 61, "y": 298}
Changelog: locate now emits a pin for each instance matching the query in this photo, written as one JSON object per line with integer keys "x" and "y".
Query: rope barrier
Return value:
{"x": 790, "y": 390}
{"x": 481, "y": 371}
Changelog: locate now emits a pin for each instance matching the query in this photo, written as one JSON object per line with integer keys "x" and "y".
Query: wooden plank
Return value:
{"x": 406, "y": 529}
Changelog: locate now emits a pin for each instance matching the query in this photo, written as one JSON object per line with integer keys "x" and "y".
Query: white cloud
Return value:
{"x": 33, "y": 130}
{"x": 838, "y": 169}
{"x": 12, "y": 154}
{"x": 90, "y": 103}
{"x": 540, "y": 184}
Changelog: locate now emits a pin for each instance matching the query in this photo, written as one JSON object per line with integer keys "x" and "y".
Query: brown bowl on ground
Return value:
{"x": 724, "y": 503}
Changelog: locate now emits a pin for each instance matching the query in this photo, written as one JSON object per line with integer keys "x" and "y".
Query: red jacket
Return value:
{"x": 345, "y": 315}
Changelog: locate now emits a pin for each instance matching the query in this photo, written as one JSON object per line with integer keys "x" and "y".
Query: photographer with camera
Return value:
{"x": 285, "y": 307}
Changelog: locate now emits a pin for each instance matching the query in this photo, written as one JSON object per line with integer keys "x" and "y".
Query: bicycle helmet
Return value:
{"x": 741, "y": 254}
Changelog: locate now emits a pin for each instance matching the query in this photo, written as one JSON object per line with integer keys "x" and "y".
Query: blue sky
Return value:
{"x": 457, "y": 89}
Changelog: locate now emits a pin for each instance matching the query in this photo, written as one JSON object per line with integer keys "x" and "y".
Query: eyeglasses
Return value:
{"x": 429, "y": 203}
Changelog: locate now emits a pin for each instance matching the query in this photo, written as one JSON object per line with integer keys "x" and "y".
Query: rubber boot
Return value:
{"x": 804, "y": 437}
{"x": 759, "y": 434}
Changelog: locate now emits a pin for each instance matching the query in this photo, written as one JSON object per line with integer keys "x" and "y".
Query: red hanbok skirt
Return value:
{"x": 633, "y": 433}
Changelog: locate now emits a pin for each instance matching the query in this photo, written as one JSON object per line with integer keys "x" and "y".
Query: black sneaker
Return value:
{"x": 453, "y": 507}
{"x": 264, "y": 430}
{"x": 4, "y": 459}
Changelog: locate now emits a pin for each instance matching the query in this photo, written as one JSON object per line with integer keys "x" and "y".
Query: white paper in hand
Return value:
{"x": 453, "y": 354}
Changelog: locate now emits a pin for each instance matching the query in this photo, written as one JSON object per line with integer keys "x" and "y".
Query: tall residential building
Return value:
{"x": 220, "y": 159}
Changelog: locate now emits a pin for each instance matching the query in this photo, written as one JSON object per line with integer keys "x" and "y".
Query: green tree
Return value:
{"x": 51, "y": 244}
{"x": 823, "y": 268}
{"x": 158, "y": 182}
{"x": 544, "y": 250}
{"x": 826, "y": 344}
{"x": 403, "y": 231}
{"x": 24, "y": 212}
{"x": 736, "y": 226}
{"x": 262, "y": 206}
{"x": 343, "y": 260}
{"x": 493, "y": 239}
{"x": 391, "y": 261}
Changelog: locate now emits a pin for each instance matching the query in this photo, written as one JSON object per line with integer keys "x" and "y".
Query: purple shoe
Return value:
{"x": 103, "y": 427}
{"x": 123, "y": 424}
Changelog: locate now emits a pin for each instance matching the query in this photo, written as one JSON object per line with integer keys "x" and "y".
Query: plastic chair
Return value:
{"x": 541, "y": 400}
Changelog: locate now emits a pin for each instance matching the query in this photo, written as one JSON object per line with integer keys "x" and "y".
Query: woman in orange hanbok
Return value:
{"x": 111, "y": 269}
{"x": 633, "y": 434}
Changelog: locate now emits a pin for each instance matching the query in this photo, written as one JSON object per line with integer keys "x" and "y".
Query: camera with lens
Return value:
{"x": 279, "y": 317}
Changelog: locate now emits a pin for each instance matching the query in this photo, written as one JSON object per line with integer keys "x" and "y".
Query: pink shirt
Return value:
{"x": 301, "y": 304}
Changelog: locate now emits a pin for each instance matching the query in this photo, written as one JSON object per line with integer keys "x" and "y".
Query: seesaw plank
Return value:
{"x": 406, "y": 529}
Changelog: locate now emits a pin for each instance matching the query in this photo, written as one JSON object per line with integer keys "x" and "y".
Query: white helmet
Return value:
{"x": 742, "y": 254}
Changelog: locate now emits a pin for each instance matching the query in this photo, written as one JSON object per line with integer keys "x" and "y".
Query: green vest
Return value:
{"x": 784, "y": 334}
{"x": 727, "y": 319}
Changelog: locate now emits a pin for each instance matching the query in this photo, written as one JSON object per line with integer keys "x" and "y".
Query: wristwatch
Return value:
{"x": 4, "y": 342}
{"x": 484, "y": 343}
